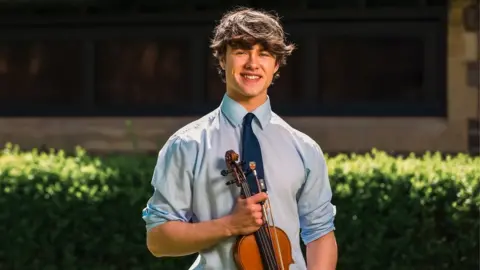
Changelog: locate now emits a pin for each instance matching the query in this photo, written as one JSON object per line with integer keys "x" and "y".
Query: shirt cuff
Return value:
{"x": 311, "y": 235}
{"x": 154, "y": 216}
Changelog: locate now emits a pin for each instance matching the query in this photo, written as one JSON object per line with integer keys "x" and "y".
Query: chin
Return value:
{"x": 251, "y": 93}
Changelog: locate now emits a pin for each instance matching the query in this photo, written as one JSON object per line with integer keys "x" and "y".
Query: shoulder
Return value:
{"x": 189, "y": 137}
{"x": 306, "y": 145}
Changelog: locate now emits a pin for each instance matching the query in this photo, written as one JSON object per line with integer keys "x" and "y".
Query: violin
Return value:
{"x": 269, "y": 247}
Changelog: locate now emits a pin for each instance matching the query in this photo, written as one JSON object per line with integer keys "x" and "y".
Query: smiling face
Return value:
{"x": 248, "y": 74}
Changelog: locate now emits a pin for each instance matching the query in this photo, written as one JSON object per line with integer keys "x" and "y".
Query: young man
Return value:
{"x": 192, "y": 210}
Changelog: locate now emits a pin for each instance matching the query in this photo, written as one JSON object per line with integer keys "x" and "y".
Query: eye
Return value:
{"x": 265, "y": 53}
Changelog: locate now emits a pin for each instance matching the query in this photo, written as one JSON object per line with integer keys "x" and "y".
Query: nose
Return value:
{"x": 252, "y": 62}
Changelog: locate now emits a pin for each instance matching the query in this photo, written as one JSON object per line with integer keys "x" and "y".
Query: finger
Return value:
{"x": 259, "y": 221}
{"x": 241, "y": 197}
{"x": 254, "y": 208}
{"x": 258, "y": 215}
{"x": 259, "y": 197}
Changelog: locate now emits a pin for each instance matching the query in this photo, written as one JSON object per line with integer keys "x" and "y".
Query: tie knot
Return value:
{"x": 248, "y": 119}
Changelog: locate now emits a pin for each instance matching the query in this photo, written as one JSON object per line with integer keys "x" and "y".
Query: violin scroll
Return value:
{"x": 233, "y": 167}
{"x": 231, "y": 156}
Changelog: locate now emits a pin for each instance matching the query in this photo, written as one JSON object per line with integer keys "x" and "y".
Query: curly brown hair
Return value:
{"x": 243, "y": 28}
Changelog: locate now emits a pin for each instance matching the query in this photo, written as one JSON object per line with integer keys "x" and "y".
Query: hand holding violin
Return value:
{"x": 247, "y": 216}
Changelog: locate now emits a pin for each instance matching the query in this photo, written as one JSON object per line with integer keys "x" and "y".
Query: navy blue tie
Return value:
{"x": 251, "y": 152}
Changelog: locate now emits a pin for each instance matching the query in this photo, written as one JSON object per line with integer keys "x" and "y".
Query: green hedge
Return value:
{"x": 82, "y": 212}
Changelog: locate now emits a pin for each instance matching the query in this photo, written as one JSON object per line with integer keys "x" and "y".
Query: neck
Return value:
{"x": 249, "y": 103}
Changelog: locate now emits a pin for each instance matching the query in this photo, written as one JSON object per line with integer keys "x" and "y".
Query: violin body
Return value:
{"x": 247, "y": 253}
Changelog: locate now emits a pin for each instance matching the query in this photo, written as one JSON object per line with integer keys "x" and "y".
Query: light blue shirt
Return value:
{"x": 188, "y": 184}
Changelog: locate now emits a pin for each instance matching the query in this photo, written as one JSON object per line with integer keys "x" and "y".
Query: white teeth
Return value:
{"x": 251, "y": 77}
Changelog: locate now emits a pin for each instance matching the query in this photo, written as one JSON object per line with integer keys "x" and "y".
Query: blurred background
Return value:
{"x": 400, "y": 75}
{"x": 117, "y": 78}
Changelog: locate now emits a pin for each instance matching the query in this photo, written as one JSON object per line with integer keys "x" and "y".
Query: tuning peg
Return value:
{"x": 230, "y": 182}
{"x": 225, "y": 172}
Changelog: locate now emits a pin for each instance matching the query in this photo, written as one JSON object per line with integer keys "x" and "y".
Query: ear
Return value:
{"x": 222, "y": 63}
{"x": 277, "y": 66}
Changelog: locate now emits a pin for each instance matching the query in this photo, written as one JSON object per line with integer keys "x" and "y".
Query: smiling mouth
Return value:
{"x": 251, "y": 77}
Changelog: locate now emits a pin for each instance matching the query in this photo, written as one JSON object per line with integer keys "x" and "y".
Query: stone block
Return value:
{"x": 470, "y": 16}
{"x": 471, "y": 43}
{"x": 473, "y": 74}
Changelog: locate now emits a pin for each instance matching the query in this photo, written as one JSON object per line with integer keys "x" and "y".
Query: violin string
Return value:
{"x": 267, "y": 211}
{"x": 269, "y": 243}
{"x": 269, "y": 214}
{"x": 266, "y": 234}
{"x": 264, "y": 242}
{"x": 276, "y": 235}
{"x": 271, "y": 253}
{"x": 267, "y": 250}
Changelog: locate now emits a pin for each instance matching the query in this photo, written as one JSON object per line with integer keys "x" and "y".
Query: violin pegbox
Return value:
{"x": 233, "y": 168}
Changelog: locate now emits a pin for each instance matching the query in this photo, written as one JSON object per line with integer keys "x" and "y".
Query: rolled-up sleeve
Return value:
{"x": 316, "y": 211}
{"x": 171, "y": 182}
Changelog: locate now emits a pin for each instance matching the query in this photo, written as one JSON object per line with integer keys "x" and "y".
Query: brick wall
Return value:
{"x": 333, "y": 134}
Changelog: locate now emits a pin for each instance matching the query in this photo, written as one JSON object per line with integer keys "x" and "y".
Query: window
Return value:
{"x": 387, "y": 74}
{"x": 141, "y": 74}
{"x": 215, "y": 87}
{"x": 348, "y": 63}
{"x": 394, "y": 68}
{"x": 372, "y": 70}
{"x": 40, "y": 73}
{"x": 290, "y": 86}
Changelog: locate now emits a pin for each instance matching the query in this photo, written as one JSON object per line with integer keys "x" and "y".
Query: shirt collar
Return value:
{"x": 236, "y": 112}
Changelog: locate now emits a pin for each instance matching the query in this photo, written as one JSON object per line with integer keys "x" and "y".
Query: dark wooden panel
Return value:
{"x": 371, "y": 69}
{"x": 158, "y": 64}
{"x": 50, "y": 7}
{"x": 189, "y": 18}
{"x": 39, "y": 72}
{"x": 142, "y": 73}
